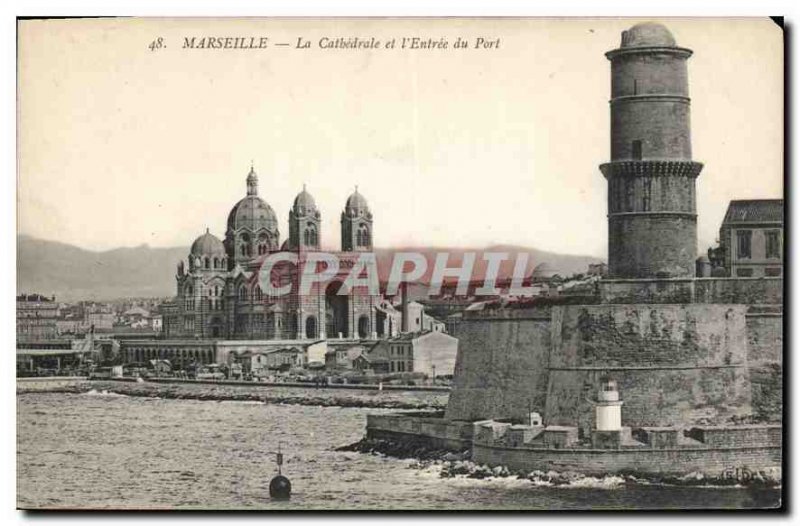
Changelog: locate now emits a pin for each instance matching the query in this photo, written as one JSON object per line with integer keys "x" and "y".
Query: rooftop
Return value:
{"x": 755, "y": 211}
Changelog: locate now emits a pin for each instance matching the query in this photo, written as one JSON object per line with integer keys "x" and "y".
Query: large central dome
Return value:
{"x": 252, "y": 213}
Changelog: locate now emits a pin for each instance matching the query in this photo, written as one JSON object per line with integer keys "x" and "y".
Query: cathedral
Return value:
{"x": 219, "y": 295}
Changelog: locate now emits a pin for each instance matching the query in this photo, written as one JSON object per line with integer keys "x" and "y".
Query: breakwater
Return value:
{"x": 249, "y": 392}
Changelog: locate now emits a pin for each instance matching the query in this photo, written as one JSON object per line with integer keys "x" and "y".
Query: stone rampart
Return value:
{"x": 431, "y": 431}
{"x": 501, "y": 368}
{"x": 674, "y": 364}
{"x": 710, "y": 450}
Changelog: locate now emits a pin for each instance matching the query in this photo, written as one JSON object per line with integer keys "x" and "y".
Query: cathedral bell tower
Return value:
{"x": 304, "y": 223}
{"x": 356, "y": 224}
{"x": 652, "y": 216}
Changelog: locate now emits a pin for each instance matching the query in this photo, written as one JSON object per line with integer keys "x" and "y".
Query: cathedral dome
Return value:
{"x": 304, "y": 203}
{"x": 356, "y": 203}
{"x": 647, "y": 34}
{"x": 207, "y": 245}
{"x": 252, "y": 212}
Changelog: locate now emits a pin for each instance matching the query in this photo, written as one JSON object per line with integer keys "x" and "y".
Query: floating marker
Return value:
{"x": 280, "y": 487}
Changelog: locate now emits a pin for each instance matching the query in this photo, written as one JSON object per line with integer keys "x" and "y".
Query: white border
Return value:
{"x": 607, "y": 8}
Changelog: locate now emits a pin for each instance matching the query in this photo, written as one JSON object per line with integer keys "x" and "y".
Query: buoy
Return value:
{"x": 280, "y": 487}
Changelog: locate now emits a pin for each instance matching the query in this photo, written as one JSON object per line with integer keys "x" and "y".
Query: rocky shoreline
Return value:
{"x": 326, "y": 397}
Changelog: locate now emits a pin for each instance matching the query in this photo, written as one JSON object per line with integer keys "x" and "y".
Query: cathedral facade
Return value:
{"x": 219, "y": 292}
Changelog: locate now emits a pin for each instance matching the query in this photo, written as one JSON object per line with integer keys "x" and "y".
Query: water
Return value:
{"x": 110, "y": 451}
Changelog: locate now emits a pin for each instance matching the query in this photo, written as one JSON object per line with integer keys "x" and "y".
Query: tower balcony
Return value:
{"x": 651, "y": 168}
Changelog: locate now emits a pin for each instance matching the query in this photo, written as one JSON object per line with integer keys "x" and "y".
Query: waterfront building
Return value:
{"x": 432, "y": 353}
{"x": 751, "y": 239}
{"x": 37, "y": 317}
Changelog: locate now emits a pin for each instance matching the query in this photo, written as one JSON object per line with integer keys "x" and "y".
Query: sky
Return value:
{"x": 121, "y": 145}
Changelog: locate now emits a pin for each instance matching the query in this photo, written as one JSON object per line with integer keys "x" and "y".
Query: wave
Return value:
{"x": 467, "y": 470}
{"x": 104, "y": 392}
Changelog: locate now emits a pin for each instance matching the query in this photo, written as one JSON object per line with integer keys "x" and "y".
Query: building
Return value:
{"x": 342, "y": 357}
{"x": 751, "y": 239}
{"x": 219, "y": 294}
{"x": 432, "y": 353}
{"x": 262, "y": 364}
{"x": 37, "y": 317}
{"x": 418, "y": 320}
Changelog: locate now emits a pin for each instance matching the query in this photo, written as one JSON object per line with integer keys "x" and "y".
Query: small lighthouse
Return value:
{"x": 608, "y": 410}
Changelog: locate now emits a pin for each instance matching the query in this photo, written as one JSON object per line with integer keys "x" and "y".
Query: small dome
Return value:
{"x": 208, "y": 245}
{"x": 304, "y": 202}
{"x": 356, "y": 202}
{"x": 647, "y": 34}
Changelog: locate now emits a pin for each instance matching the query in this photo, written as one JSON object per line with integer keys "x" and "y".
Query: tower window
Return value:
{"x": 362, "y": 236}
{"x": 629, "y": 194}
{"x": 636, "y": 150}
{"x": 646, "y": 194}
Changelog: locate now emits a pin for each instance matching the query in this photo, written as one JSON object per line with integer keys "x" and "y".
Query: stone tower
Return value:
{"x": 356, "y": 224}
{"x": 652, "y": 218}
{"x": 304, "y": 223}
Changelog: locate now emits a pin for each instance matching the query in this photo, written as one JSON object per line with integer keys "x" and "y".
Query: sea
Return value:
{"x": 101, "y": 450}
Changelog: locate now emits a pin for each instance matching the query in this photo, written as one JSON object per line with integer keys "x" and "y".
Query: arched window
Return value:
{"x": 243, "y": 293}
{"x": 311, "y": 327}
{"x": 259, "y": 296}
{"x": 216, "y": 262}
{"x": 206, "y": 262}
{"x": 310, "y": 235}
{"x": 362, "y": 236}
{"x": 363, "y": 326}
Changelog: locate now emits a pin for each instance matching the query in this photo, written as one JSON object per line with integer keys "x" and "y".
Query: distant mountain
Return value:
{"x": 73, "y": 273}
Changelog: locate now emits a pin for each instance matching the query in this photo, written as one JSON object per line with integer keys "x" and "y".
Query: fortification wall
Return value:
{"x": 713, "y": 450}
{"x": 675, "y": 364}
{"x": 501, "y": 368}
{"x": 711, "y": 461}
{"x": 430, "y": 431}
{"x": 746, "y": 291}
{"x": 765, "y": 362}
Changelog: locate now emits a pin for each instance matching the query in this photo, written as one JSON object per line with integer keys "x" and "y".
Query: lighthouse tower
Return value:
{"x": 652, "y": 217}
{"x": 608, "y": 410}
